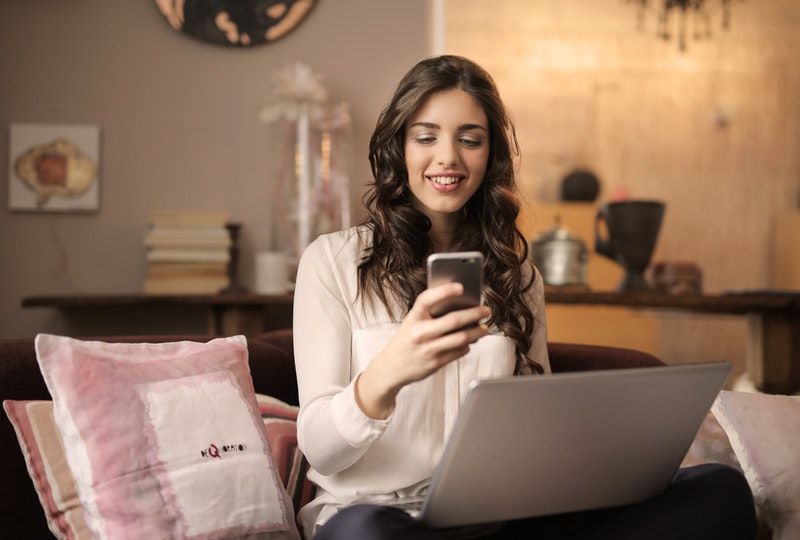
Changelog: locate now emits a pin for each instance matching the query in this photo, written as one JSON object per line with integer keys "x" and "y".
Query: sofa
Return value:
{"x": 272, "y": 368}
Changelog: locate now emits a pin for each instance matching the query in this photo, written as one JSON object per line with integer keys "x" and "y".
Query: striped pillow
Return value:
{"x": 280, "y": 422}
{"x": 41, "y": 445}
{"x": 55, "y": 485}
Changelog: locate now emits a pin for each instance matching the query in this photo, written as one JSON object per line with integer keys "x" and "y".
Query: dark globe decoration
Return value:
{"x": 580, "y": 185}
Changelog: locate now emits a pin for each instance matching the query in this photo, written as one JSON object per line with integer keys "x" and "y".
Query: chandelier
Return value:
{"x": 684, "y": 17}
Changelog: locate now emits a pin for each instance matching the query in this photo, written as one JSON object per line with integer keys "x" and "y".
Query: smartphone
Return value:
{"x": 465, "y": 267}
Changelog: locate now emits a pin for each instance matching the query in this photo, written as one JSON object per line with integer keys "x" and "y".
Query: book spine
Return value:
{"x": 188, "y": 243}
{"x": 188, "y": 255}
{"x": 171, "y": 269}
{"x": 189, "y": 220}
{"x": 185, "y": 285}
{"x": 177, "y": 232}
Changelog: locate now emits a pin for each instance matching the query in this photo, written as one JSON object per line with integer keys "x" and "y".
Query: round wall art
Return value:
{"x": 239, "y": 23}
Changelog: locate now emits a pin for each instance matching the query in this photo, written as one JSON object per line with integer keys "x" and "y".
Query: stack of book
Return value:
{"x": 187, "y": 253}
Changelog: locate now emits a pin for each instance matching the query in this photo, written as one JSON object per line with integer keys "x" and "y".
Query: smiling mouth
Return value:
{"x": 445, "y": 180}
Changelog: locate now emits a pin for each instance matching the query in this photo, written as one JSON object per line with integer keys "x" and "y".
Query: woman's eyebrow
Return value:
{"x": 462, "y": 127}
{"x": 467, "y": 127}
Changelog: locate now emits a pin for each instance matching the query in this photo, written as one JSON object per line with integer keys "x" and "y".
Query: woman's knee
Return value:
{"x": 365, "y": 521}
{"x": 716, "y": 477}
{"x": 721, "y": 488}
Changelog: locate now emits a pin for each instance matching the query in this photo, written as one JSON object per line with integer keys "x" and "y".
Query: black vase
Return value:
{"x": 633, "y": 228}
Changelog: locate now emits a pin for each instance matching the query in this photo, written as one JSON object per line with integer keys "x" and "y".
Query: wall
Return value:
{"x": 713, "y": 131}
{"x": 179, "y": 127}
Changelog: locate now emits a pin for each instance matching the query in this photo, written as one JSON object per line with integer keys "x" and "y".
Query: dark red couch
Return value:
{"x": 272, "y": 367}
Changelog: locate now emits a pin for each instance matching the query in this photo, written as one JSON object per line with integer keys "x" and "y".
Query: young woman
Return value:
{"x": 380, "y": 379}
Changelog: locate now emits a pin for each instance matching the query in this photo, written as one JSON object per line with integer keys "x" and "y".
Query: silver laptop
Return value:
{"x": 534, "y": 446}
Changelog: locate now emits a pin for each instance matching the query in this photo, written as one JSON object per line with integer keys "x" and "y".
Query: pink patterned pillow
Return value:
{"x": 165, "y": 440}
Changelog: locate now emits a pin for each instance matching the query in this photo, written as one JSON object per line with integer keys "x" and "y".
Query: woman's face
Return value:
{"x": 446, "y": 151}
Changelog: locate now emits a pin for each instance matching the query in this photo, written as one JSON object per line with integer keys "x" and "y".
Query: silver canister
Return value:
{"x": 560, "y": 256}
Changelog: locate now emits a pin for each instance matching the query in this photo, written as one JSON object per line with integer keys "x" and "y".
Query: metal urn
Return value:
{"x": 560, "y": 255}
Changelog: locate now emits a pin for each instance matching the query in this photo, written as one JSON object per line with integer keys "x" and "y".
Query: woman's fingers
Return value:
{"x": 430, "y": 297}
{"x": 426, "y": 343}
{"x": 451, "y": 322}
{"x": 452, "y": 354}
{"x": 474, "y": 334}
{"x": 457, "y": 341}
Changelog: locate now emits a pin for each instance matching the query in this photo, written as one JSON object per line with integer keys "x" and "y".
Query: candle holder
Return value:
{"x": 234, "y": 287}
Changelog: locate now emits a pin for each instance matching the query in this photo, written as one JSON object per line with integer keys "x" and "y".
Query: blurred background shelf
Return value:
{"x": 126, "y": 314}
{"x": 773, "y": 318}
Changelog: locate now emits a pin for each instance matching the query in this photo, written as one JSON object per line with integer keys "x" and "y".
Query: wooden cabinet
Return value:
{"x": 786, "y": 252}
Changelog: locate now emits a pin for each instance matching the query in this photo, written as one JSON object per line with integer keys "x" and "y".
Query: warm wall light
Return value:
{"x": 690, "y": 16}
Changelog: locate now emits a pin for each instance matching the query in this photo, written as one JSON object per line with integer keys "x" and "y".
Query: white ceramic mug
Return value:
{"x": 272, "y": 272}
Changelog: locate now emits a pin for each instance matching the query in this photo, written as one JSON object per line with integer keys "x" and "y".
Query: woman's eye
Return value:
{"x": 470, "y": 143}
{"x": 424, "y": 139}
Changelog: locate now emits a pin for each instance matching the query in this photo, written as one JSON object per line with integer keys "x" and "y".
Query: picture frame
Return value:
{"x": 54, "y": 168}
{"x": 235, "y": 23}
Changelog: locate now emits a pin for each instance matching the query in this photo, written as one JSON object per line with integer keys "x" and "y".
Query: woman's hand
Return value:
{"x": 421, "y": 346}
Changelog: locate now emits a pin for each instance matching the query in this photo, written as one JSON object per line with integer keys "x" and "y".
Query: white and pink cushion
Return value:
{"x": 165, "y": 440}
{"x": 41, "y": 446}
{"x": 711, "y": 445}
{"x": 764, "y": 431}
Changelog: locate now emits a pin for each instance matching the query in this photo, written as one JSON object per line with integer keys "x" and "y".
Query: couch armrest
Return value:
{"x": 566, "y": 357}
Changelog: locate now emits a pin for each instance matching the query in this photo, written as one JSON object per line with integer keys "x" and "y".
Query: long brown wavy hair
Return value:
{"x": 400, "y": 239}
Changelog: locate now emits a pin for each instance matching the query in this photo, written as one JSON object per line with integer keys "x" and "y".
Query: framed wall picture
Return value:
{"x": 236, "y": 23}
{"x": 54, "y": 168}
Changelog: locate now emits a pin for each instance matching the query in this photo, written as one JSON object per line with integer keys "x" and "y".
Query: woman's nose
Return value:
{"x": 447, "y": 155}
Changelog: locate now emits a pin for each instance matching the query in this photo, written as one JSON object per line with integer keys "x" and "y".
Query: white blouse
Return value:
{"x": 355, "y": 458}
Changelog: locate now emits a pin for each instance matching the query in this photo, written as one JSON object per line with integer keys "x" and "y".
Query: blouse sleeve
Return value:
{"x": 535, "y": 298}
{"x": 332, "y": 431}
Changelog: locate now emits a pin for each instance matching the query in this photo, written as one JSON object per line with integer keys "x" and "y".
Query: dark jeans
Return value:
{"x": 703, "y": 502}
